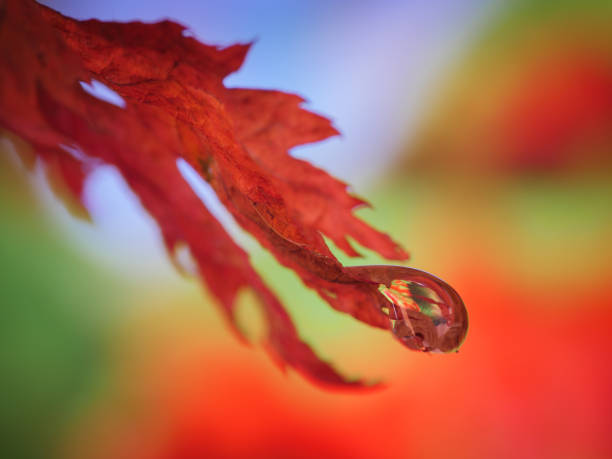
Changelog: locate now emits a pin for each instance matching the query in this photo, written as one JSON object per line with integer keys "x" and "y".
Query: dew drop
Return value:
{"x": 425, "y": 313}
{"x": 428, "y": 318}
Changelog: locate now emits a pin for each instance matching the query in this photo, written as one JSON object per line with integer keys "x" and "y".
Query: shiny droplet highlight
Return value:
{"x": 425, "y": 313}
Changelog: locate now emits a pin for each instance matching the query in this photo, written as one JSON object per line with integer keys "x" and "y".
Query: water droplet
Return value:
{"x": 425, "y": 313}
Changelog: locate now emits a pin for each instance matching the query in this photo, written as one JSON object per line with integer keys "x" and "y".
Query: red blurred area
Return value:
{"x": 532, "y": 380}
{"x": 559, "y": 114}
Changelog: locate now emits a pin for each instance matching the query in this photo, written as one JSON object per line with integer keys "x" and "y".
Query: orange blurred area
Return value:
{"x": 532, "y": 95}
{"x": 533, "y": 380}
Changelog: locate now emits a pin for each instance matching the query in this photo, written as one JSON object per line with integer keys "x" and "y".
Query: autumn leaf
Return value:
{"x": 177, "y": 107}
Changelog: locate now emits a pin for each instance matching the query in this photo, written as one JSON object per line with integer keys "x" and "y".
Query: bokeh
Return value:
{"x": 481, "y": 132}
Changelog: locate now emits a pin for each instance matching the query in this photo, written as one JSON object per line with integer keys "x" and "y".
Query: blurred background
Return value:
{"x": 480, "y": 130}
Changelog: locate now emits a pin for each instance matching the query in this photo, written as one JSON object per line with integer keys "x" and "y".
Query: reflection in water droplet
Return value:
{"x": 426, "y": 313}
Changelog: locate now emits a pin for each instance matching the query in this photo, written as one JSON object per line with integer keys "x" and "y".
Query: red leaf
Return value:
{"x": 176, "y": 106}
{"x": 66, "y": 176}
